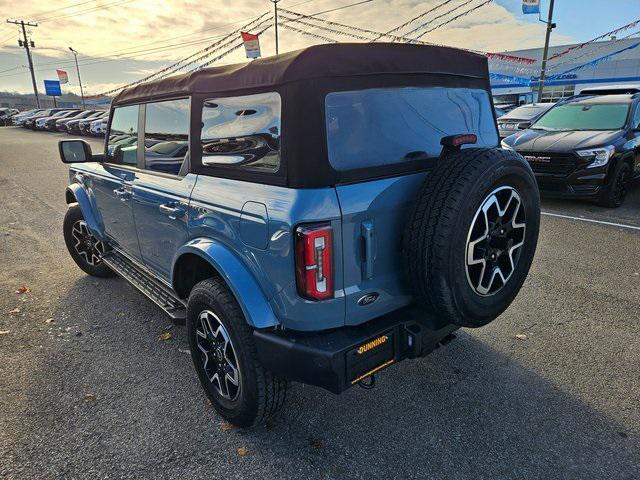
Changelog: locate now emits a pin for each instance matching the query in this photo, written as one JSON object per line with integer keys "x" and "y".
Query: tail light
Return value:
{"x": 314, "y": 261}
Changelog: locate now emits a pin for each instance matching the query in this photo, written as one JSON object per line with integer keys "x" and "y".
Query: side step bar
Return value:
{"x": 158, "y": 292}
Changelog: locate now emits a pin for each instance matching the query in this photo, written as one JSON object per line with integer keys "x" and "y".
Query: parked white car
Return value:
{"x": 99, "y": 127}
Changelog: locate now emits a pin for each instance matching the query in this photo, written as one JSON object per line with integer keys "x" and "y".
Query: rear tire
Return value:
{"x": 472, "y": 235}
{"x": 222, "y": 347}
{"x": 615, "y": 192}
{"x": 84, "y": 248}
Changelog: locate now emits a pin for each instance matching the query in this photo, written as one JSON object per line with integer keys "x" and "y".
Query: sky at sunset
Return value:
{"x": 121, "y": 41}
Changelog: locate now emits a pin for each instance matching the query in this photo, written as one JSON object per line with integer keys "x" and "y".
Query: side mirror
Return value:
{"x": 75, "y": 151}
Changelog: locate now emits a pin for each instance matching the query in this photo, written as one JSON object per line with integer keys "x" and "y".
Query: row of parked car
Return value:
{"x": 71, "y": 120}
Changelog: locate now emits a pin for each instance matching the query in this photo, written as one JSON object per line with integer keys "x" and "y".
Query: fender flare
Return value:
{"x": 238, "y": 277}
{"x": 87, "y": 204}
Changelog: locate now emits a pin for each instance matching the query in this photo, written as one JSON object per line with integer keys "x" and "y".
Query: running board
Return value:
{"x": 158, "y": 292}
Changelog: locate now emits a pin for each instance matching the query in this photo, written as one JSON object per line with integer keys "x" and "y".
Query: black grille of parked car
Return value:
{"x": 554, "y": 163}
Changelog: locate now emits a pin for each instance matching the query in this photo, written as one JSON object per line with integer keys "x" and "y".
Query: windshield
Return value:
{"x": 385, "y": 126}
{"x": 584, "y": 116}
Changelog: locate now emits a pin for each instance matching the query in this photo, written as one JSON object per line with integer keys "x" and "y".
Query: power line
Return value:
{"x": 83, "y": 12}
{"x": 138, "y": 54}
{"x": 431, "y": 20}
{"x": 467, "y": 12}
{"x": 173, "y": 68}
{"x": 13, "y": 68}
{"x": 221, "y": 44}
{"x": 597, "y": 48}
{"x": 326, "y": 29}
{"x": 45, "y": 12}
{"x": 309, "y": 34}
{"x": 409, "y": 22}
{"x": 395, "y": 38}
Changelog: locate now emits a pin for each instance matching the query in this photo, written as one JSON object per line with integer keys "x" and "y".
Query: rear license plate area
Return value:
{"x": 370, "y": 357}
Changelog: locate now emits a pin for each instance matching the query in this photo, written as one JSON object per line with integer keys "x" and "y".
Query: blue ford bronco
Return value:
{"x": 315, "y": 216}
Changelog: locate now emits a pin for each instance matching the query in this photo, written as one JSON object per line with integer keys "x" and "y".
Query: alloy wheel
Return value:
{"x": 620, "y": 187}
{"x": 86, "y": 245}
{"x": 218, "y": 355}
{"x": 495, "y": 240}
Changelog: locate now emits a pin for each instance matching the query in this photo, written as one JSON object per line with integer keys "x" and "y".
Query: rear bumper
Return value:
{"x": 338, "y": 359}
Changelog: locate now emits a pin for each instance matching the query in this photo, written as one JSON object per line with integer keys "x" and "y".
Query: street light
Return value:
{"x": 75, "y": 54}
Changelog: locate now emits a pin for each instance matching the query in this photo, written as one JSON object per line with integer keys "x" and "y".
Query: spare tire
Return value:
{"x": 472, "y": 235}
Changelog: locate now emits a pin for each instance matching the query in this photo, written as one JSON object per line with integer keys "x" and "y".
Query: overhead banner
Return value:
{"x": 530, "y": 6}
{"x": 251, "y": 44}
{"x": 62, "y": 76}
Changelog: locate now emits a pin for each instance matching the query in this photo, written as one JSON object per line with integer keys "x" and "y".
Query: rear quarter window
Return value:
{"x": 386, "y": 126}
{"x": 242, "y": 132}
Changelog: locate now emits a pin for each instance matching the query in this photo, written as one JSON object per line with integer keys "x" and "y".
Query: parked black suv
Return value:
{"x": 587, "y": 146}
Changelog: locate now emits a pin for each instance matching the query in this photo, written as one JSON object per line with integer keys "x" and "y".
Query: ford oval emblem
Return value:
{"x": 368, "y": 299}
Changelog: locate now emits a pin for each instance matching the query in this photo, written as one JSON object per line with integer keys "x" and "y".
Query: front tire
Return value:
{"x": 225, "y": 357}
{"x": 84, "y": 248}
{"x": 615, "y": 192}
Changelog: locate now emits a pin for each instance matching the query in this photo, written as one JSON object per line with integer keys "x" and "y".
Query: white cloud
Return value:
{"x": 127, "y": 34}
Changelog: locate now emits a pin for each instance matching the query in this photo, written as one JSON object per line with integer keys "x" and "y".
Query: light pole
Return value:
{"x": 275, "y": 17}
{"x": 75, "y": 54}
{"x": 543, "y": 72}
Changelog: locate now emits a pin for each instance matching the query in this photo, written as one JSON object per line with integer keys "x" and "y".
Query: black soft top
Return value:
{"x": 303, "y": 79}
{"x": 320, "y": 61}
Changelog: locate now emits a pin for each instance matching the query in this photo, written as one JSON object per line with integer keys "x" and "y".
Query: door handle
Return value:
{"x": 171, "y": 210}
{"x": 368, "y": 234}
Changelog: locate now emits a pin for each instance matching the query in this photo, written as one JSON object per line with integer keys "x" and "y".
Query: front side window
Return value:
{"x": 386, "y": 126}
{"x": 584, "y": 116}
{"x": 166, "y": 136}
{"x": 242, "y": 132}
{"x": 123, "y": 136}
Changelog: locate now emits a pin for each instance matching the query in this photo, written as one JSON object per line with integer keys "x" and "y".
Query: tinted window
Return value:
{"x": 242, "y": 131}
{"x": 166, "y": 135}
{"x": 123, "y": 136}
{"x": 368, "y": 128}
{"x": 584, "y": 116}
{"x": 636, "y": 118}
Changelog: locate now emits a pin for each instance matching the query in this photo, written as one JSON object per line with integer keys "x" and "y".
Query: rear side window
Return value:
{"x": 123, "y": 136}
{"x": 385, "y": 126}
{"x": 242, "y": 132}
{"x": 166, "y": 136}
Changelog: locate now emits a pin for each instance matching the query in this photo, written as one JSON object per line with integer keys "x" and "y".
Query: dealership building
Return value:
{"x": 611, "y": 62}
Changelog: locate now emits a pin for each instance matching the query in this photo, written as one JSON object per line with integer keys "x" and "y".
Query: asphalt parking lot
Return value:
{"x": 550, "y": 390}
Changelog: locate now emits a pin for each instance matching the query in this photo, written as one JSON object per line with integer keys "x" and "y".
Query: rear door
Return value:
{"x": 371, "y": 128}
{"x": 162, "y": 187}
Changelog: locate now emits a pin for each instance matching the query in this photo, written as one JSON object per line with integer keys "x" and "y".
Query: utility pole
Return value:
{"x": 275, "y": 18}
{"x": 550, "y": 26}
{"x": 75, "y": 54}
{"x": 22, "y": 23}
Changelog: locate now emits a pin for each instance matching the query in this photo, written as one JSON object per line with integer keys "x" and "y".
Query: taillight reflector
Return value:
{"x": 314, "y": 261}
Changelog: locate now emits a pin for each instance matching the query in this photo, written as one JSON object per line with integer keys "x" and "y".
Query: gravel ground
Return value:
{"x": 87, "y": 390}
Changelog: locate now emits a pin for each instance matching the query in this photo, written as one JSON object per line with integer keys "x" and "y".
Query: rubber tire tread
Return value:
{"x": 270, "y": 390}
